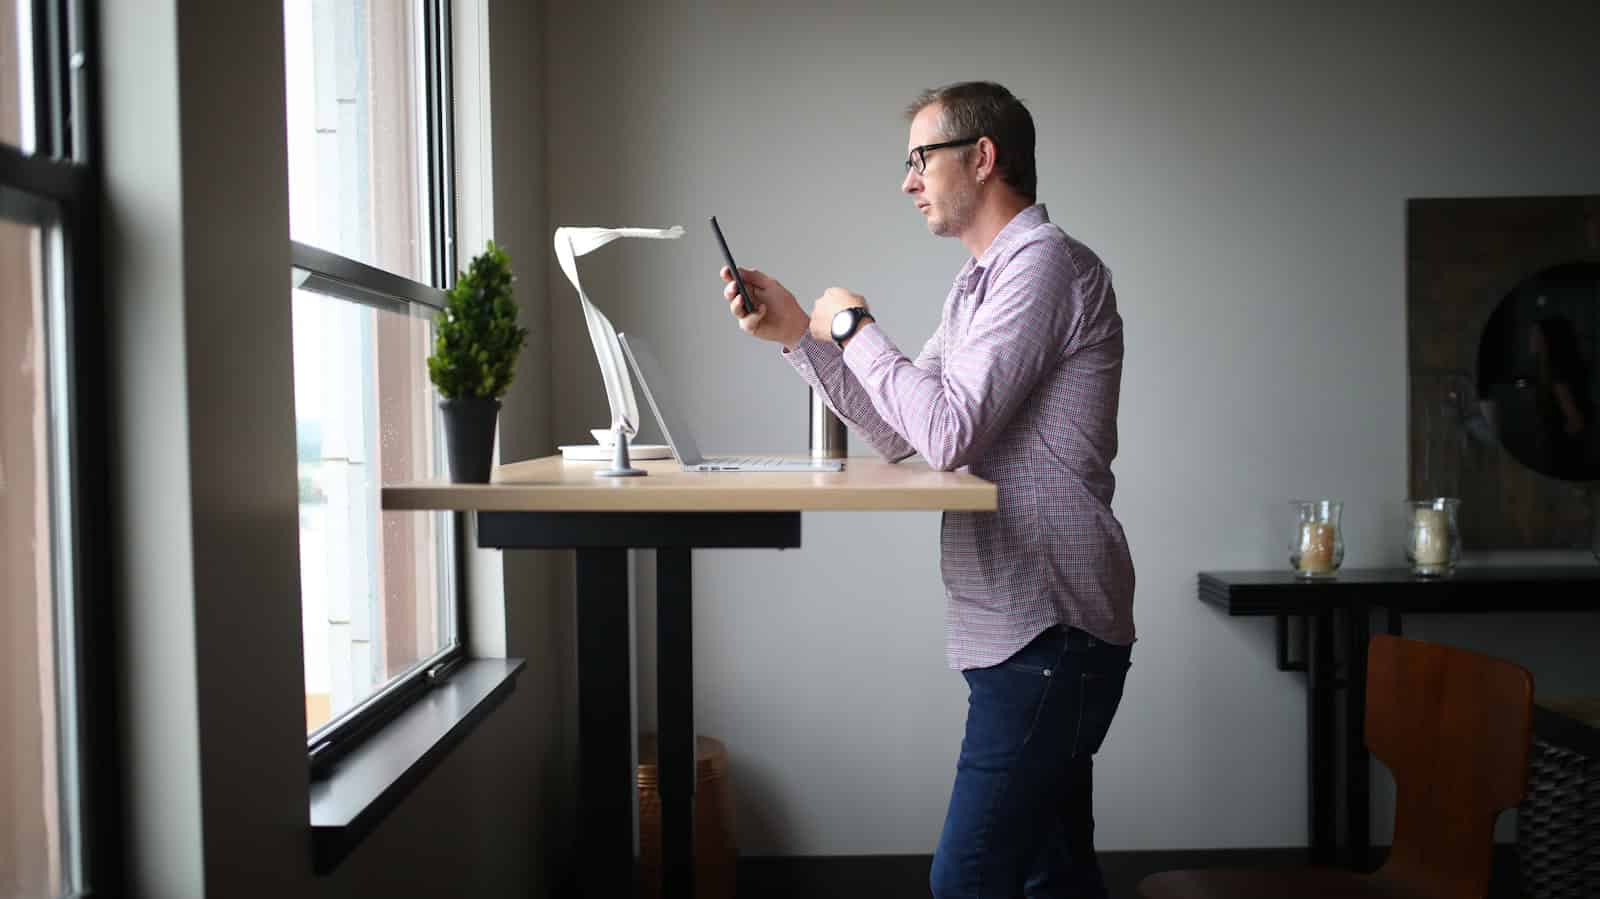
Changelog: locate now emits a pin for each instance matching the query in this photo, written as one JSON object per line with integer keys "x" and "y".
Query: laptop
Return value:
{"x": 654, "y": 384}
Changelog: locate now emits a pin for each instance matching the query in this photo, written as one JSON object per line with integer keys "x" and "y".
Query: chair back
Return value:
{"x": 1454, "y": 728}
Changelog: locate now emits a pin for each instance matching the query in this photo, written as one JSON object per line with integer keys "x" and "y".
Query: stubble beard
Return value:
{"x": 959, "y": 214}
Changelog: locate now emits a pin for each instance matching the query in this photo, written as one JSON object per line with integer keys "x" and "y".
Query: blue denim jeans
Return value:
{"x": 1021, "y": 818}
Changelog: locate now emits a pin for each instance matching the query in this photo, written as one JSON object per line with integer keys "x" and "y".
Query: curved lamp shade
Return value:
{"x": 570, "y": 244}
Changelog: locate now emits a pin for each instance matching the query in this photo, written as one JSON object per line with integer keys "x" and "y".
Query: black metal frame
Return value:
{"x": 1330, "y": 648}
{"x": 606, "y": 784}
{"x": 51, "y": 96}
{"x": 102, "y": 780}
{"x": 440, "y": 99}
{"x": 338, "y": 276}
{"x": 1282, "y": 630}
{"x": 59, "y": 185}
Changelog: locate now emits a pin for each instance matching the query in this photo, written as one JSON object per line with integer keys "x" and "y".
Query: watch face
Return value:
{"x": 843, "y": 321}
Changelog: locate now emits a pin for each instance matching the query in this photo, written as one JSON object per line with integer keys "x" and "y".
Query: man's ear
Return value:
{"x": 986, "y": 157}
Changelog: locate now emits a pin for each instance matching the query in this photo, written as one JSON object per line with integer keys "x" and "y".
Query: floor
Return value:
{"x": 906, "y": 876}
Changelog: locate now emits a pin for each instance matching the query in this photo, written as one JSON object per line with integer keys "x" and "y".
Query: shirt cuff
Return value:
{"x": 808, "y": 353}
{"x": 868, "y": 344}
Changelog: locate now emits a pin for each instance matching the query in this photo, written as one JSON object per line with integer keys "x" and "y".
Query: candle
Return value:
{"x": 1316, "y": 547}
{"x": 1430, "y": 537}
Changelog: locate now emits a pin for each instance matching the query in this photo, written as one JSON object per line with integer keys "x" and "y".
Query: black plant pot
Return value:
{"x": 469, "y": 437}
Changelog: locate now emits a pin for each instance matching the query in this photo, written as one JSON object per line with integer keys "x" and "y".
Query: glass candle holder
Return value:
{"x": 1316, "y": 548}
{"x": 1433, "y": 539}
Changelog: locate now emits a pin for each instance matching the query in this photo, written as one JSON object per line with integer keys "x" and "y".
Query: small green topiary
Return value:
{"x": 475, "y": 352}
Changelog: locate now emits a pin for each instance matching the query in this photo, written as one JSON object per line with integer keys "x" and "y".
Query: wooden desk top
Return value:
{"x": 552, "y": 484}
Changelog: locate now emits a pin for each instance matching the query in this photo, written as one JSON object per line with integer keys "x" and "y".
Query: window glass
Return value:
{"x": 32, "y": 829}
{"x": 16, "y": 74}
{"x": 357, "y": 144}
{"x": 377, "y": 588}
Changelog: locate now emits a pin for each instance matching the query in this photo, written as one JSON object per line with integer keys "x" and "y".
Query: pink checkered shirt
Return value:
{"x": 1019, "y": 386}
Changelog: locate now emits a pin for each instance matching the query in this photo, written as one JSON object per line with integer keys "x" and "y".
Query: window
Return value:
{"x": 54, "y": 711}
{"x": 30, "y": 713}
{"x": 357, "y": 137}
{"x": 370, "y": 215}
{"x": 376, "y": 587}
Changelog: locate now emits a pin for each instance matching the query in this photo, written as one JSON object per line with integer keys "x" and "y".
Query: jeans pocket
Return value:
{"x": 1004, "y": 708}
{"x": 1099, "y": 694}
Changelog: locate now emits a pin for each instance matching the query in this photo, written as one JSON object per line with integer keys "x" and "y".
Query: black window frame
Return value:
{"x": 59, "y": 184}
{"x": 340, "y": 277}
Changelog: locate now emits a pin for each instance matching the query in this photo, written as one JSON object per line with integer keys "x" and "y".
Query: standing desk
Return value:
{"x": 548, "y": 503}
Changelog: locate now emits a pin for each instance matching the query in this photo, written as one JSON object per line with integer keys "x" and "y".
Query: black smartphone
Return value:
{"x": 749, "y": 307}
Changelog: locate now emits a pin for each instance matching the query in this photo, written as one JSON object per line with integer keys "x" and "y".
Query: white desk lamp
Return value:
{"x": 570, "y": 244}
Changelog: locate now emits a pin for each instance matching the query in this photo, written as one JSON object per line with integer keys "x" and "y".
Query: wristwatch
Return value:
{"x": 848, "y": 321}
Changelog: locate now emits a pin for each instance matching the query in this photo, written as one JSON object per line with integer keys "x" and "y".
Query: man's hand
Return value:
{"x": 778, "y": 316}
{"x": 827, "y": 306}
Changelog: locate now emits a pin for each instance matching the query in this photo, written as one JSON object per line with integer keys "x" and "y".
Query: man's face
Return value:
{"x": 944, "y": 193}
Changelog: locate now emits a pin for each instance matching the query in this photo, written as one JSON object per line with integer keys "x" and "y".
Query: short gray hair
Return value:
{"x": 985, "y": 109}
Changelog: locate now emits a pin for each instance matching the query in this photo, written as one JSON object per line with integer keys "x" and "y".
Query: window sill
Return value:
{"x": 376, "y": 776}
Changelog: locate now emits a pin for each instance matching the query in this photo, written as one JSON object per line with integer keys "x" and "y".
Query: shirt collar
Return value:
{"x": 1021, "y": 223}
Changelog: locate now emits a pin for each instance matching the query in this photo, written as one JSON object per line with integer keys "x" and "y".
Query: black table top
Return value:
{"x": 1469, "y": 589}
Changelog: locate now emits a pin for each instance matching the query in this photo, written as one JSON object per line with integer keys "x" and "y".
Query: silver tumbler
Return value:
{"x": 828, "y": 433}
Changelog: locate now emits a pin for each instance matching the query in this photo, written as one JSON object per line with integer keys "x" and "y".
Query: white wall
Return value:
{"x": 1243, "y": 169}
{"x": 149, "y": 476}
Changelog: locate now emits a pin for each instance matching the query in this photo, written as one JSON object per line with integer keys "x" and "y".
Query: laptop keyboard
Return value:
{"x": 741, "y": 461}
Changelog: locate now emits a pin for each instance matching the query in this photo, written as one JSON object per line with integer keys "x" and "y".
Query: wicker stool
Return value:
{"x": 1558, "y": 824}
{"x": 715, "y": 853}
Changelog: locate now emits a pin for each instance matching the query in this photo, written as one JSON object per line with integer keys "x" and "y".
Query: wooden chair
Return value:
{"x": 1454, "y": 728}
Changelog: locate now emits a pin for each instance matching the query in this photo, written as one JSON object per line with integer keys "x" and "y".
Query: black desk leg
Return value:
{"x": 1320, "y": 740}
{"x": 605, "y": 726}
{"x": 675, "y": 696}
{"x": 1358, "y": 769}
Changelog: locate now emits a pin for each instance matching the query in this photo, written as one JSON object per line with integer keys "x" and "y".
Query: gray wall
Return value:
{"x": 212, "y": 747}
{"x": 1243, "y": 169}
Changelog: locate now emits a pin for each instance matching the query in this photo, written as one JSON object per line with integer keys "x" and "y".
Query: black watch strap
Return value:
{"x": 858, "y": 316}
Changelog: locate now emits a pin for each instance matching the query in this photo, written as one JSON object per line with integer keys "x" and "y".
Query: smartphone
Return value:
{"x": 749, "y": 307}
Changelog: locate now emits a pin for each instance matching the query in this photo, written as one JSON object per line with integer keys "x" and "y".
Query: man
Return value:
{"x": 1019, "y": 385}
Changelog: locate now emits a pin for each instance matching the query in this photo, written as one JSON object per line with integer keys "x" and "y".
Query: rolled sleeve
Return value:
{"x": 1021, "y": 329}
{"x": 822, "y": 365}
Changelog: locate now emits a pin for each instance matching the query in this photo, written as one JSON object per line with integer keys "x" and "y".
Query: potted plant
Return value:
{"x": 474, "y": 358}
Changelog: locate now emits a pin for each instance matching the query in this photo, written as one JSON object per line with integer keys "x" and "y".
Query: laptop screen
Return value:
{"x": 653, "y": 381}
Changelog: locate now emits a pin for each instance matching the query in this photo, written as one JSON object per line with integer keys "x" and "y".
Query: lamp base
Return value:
{"x": 621, "y": 467}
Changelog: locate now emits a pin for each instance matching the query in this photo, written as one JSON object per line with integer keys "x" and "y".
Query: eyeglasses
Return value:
{"x": 918, "y": 160}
